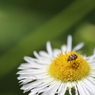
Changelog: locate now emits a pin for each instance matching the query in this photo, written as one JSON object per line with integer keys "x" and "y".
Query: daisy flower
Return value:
{"x": 58, "y": 71}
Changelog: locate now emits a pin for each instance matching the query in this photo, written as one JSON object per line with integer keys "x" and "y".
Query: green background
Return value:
{"x": 26, "y": 25}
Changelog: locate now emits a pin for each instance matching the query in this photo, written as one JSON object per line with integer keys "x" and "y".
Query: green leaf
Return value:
{"x": 86, "y": 32}
{"x": 50, "y": 30}
{"x": 15, "y": 23}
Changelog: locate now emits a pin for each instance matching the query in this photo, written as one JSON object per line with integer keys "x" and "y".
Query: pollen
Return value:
{"x": 69, "y": 67}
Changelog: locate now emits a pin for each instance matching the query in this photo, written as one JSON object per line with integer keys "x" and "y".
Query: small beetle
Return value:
{"x": 72, "y": 57}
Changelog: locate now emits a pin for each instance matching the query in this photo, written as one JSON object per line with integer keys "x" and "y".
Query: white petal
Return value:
{"x": 69, "y": 43}
{"x": 79, "y": 46}
{"x": 82, "y": 89}
{"x": 51, "y": 90}
{"x": 44, "y": 54}
{"x": 76, "y": 90}
{"x": 49, "y": 48}
{"x": 63, "y": 91}
{"x": 63, "y": 48}
{"x": 29, "y": 59}
{"x": 87, "y": 84}
{"x": 36, "y": 55}
{"x": 70, "y": 91}
{"x": 32, "y": 93}
{"x": 24, "y": 66}
{"x": 56, "y": 52}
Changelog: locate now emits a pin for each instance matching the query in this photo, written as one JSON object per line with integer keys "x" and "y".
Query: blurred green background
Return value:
{"x": 26, "y": 25}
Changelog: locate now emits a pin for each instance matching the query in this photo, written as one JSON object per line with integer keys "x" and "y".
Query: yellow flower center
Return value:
{"x": 69, "y": 67}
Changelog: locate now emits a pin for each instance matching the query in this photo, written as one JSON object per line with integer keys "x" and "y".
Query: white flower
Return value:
{"x": 58, "y": 71}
